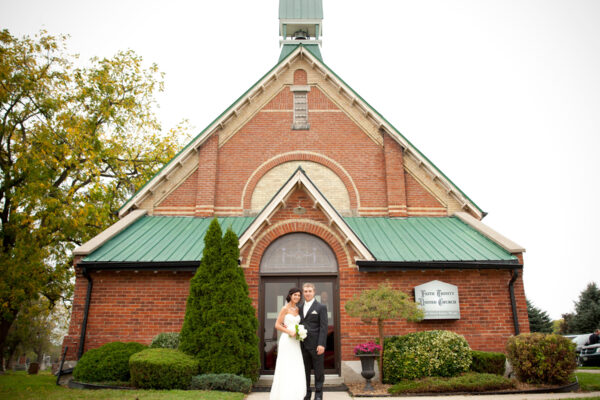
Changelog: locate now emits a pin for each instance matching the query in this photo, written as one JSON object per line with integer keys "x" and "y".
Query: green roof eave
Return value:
{"x": 405, "y": 243}
{"x": 288, "y": 49}
{"x": 168, "y": 240}
{"x": 427, "y": 240}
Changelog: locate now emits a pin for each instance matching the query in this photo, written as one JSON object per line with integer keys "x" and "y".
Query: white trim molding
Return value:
{"x": 300, "y": 178}
{"x": 107, "y": 234}
{"x": 489, "y": 233}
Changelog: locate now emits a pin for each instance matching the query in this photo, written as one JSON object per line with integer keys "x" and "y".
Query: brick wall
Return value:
{"x": 359, "y": 162}
{"x": 127, "y": 307}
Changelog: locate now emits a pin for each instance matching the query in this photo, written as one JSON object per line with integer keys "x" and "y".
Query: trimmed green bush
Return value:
{"x": 107, "y": 363}
{"x": 469, "y": 382}
{"x": 165, "y": 340}
{"x": 542, "y": 358}
{"x": 226, "y": 382}
{"x": 420, "y": 354}
{"x": 220, "y": 324}
{"x": 162, "y": 369}
{"x": 488, "y": 362}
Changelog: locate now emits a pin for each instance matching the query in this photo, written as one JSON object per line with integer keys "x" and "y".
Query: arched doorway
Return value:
{"x": 288, "y": 262}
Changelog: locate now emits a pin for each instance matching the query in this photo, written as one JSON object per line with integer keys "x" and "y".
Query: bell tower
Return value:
{"x": 300, "y": 22}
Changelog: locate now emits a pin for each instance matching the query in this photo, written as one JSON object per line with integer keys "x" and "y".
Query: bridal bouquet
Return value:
{"x": 300, "y": 332}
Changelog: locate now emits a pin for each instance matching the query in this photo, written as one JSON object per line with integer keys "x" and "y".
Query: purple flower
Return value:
{"x": 367, "y": 348}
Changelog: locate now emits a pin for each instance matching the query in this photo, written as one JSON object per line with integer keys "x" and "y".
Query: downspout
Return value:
{"x": 85, "y": 312}
{"x": 513, "y": 302}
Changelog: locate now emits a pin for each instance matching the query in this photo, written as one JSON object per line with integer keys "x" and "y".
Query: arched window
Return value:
{"x": 298, "y": 253}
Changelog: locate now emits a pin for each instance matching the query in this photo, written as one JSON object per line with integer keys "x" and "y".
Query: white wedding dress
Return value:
{"x": 289, "y": 382}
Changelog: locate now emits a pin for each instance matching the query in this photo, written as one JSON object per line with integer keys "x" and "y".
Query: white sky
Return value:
{"x": 503, "y": 96}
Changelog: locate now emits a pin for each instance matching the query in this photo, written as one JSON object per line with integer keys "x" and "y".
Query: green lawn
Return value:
{"x": 19, "y": 385}
{"x": 589, "y": 382}
{"x": 586, "y": 398}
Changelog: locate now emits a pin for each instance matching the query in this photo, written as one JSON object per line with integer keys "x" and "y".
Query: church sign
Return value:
{"x": 438, "y": 300}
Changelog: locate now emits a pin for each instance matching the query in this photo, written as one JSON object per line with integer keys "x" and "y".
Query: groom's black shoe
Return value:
{"x": 319, "y": 395}
{"x": 308, "y": 393}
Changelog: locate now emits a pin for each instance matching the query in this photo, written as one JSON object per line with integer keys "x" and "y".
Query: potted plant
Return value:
{"x": 368, "y": 353}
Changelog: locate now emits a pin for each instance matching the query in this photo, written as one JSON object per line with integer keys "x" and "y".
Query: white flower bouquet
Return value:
{"x": 301, "y": 332}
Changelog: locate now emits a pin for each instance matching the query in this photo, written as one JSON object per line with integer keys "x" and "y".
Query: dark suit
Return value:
{"x": 315, "y": 323}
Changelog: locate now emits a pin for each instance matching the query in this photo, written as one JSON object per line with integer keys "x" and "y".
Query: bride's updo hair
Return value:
{"x": 291, "y": 292}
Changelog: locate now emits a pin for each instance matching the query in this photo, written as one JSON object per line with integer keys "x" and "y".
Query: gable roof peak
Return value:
{"x": 300, "y": 51}
{"x": 299, "y": 177}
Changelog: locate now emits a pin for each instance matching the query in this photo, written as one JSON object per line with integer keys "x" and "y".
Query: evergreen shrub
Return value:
{"x": 542, "y": 358}
{"x": 107, "y": 363}
{"x": 421, "y": 354}
{"x": 165, "y": 340}
{"x": 225, "y": 382}
{"x": 162, "y": 369}
{"x": 488, "y": 362}
{"x": 220, "y": 323}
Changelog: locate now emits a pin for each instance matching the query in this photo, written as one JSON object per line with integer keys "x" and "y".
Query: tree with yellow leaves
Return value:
{"x": 75, "y": 143}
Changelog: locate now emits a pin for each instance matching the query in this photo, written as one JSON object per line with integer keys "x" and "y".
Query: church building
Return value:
{"x": 320, "y": 188}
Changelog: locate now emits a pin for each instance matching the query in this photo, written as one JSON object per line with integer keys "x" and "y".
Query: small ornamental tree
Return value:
{"x": 381, "y": 304}
{"x": 220, "y": 325}
{"x": 539, "y": 321}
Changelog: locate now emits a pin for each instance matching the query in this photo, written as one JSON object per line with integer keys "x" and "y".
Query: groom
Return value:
{"x": 313, "y": 315}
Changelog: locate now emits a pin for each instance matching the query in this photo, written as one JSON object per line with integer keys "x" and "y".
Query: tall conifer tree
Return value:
{"x": 197, "y": 337}
{"x": 539, "y": 321}
{"x": 239, "y": 324}
{"x": 587, "y": 310}
{"x": 220, "y": 323}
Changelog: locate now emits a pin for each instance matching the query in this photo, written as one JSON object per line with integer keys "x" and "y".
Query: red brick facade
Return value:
{"x": 129, "y": 306}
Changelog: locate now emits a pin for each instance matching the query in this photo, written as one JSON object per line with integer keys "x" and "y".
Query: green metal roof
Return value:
{"x": 155, "y": 239}
{"x": 425, "y": 239}
{"x": 287, "y": 49}
{"x": 300, "y": 9}
{"x": 163, "y": 239}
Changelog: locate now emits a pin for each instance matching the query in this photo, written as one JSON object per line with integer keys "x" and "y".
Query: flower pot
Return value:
{"x": 367, "y": 362}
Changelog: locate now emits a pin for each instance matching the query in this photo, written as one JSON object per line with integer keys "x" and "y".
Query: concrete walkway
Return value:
{"x": 537, "y": 396}
{"x": 525, "y": 396}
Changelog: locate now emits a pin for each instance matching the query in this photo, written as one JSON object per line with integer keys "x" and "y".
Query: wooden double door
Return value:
{"x": 272, "y": 298}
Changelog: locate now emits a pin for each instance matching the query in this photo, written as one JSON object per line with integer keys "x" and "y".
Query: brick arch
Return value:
{"x": 300, "y": 77}
{"x": 300, "y": 156}
{"x": 315, "y": 228}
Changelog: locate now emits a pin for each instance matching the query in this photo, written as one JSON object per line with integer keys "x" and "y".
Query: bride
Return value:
{"x": 288, "y": 382}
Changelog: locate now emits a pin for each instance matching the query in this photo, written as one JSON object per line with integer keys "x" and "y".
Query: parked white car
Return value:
{"x": 580, "y": 341}
{"x": 590, "y": 355}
